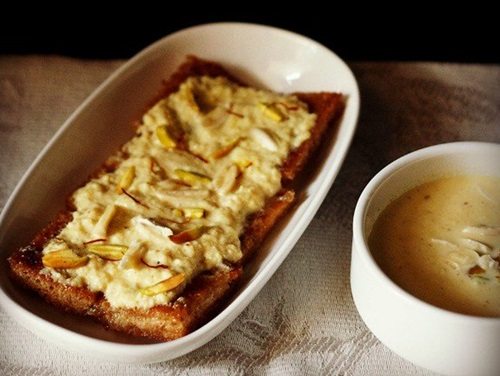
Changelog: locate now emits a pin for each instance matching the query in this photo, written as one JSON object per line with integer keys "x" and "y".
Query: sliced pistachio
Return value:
{"x": 188, "y": 235}
{"x": 165, "y": 137}
{"x": 193, "y": 212}
{"x": 243, "y": 163}
{"x": 101, "y": 227}
{"x": 126, "y": 179}
{"x": 164, "y": 286}
{"x": 271, "y": 112}
{"x": 64, "y": 259}
{"x": 113, "y": 252}
{"x": 192, "y": 178}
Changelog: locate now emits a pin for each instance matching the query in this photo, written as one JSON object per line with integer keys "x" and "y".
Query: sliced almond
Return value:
{"x": 477, "y": 246}
{"x": 271, "y": 111}
{"x": 226, "y": 179}
{"x": 64, "y": 259}
{"x": 263, "y": 139}
{"x": 445, "y": 243}
{"x": 191, "y": 178}
{"x": 188, "y": 235}
{"x": 165, "y": 138}
{"x": 187, "y": 193}
{"x": 463, "y": 258}
{"x": 132, "y": 257}
{"x": 482, "y": 230}
{"x": 164, "y": 286}
{"x": 157, "y": 265}
{"x": 126, "y": 179}
{"x": 94, "y": 241}
{"x": 113, "y": 252}
{"x": 486, "y": 262}
{"x": 101, "y": 227}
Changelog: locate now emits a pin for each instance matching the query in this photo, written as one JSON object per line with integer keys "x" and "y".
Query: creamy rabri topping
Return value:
{"x": 441, "y": 242}
{"x": 203, "y": 159}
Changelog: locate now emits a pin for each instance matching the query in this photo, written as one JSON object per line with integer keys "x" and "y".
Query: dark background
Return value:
{"x": 417, "y": 32}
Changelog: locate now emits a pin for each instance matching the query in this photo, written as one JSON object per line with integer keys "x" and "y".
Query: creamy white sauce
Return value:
{"x": 213, "y": 115}
{"x": 441, "y": 242}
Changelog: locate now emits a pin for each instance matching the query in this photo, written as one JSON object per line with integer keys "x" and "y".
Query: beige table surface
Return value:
{"x": 304, "y": 321}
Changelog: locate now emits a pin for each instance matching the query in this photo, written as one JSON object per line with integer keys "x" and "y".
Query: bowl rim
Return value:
{"x": 359, "y": 235}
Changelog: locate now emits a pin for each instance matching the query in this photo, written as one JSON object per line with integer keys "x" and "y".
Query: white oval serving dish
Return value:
{"x": 431, "y": 337}
{"x": 260, "y": 55}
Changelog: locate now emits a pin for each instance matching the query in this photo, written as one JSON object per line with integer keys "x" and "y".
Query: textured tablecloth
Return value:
{"x": 304, "y": 321}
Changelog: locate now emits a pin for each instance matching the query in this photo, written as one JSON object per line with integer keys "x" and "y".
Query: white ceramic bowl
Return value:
{"x": 262, "y": 56}
{"x": 431, "y": 337}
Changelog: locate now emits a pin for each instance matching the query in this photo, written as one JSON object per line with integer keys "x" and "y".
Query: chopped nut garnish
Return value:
{"x": 271, "y": 112}
{"x": 264, "y": 139}
{"x": 126, "y": 179}
{"x": 101, "y": 227}
{"x": 165, "y": 138}
{"x": 192, "y": 178}
{"x": 64, "y": 259}
{"x": 227, "y": 180}
{"x": 193, "y": 212}
{"x": 243, "y": 163}
{"x": 95, "y": 241}
{"x": 288, "y": 107}
{"x": 482, "y": 230}
{"x": 113, "y": 252}
{"x": 132, "y": 256}
{"x": 164, "y": 286}
{"x": 477, "y": 246}
{"x": 222, "y": 152}
{"x": 188, "y": 235}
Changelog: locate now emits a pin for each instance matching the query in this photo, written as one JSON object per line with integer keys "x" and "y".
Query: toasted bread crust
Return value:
{"x": 205, "y": 293}
{"x": 328, "y": 107}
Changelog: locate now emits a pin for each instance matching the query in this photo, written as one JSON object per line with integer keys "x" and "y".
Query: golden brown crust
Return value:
{"x": 205, "y": 293}
{"x": 328, "y": 107}
{"x": 261, "y": 222}
{"x": 159, "y": 323}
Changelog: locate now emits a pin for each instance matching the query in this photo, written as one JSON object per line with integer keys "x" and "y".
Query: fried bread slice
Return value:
{"x": 204, "y": 294}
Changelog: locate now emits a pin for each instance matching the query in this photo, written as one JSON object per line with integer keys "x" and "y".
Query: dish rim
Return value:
{"x": 245, "y": 295}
